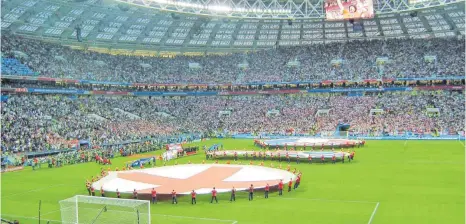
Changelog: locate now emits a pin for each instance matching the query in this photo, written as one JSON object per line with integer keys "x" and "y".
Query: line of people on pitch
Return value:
{"x": 287, "y": 158}
{"x": 214, "y": 192}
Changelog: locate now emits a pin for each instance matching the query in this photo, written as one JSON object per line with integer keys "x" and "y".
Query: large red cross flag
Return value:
{"x": 214, "y": 176}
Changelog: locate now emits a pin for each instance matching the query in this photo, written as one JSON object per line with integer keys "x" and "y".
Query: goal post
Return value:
{"x": 102, "y": 210}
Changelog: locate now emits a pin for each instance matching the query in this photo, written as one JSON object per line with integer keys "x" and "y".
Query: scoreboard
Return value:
{"x": 348, "y": 9}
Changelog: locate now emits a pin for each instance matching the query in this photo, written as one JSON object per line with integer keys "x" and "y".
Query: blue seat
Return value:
{"x": 11, "y": 66}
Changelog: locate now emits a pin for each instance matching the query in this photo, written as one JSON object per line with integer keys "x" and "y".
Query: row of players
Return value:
{"x": 297, "y": 182}
{"x": 263, "y": 156}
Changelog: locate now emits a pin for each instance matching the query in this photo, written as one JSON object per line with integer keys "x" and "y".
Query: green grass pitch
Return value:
{"x": 408, "y": 182}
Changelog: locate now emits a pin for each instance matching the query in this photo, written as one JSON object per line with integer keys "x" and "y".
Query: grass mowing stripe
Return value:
{"x": 152, "y": 214}
{"x": 373, "y": 213}
{"x": 191, "y": 217}
{"x": 329, "y": 200}
{"x": 39, "y": 189}
{"x": 410, "y": 183}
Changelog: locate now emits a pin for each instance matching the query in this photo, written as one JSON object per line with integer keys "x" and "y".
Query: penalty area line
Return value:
{"x": 373, "y": 213}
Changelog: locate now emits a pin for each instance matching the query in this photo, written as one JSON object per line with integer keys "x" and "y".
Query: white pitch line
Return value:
{"x": 461, "y": 142}
{"x": 373, "y": 213}
{"x": 48, "y": 213}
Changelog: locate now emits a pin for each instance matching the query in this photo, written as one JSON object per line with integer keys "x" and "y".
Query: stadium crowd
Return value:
{"x": 46, "y": 122}
{"x": 358, "y": 61}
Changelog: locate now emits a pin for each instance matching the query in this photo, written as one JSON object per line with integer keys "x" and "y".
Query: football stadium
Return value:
{"x": 232, "y": 111}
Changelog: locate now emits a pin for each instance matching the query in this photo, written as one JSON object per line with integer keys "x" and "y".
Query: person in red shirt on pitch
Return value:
{"x": 92, "y": 191}
{"x": 352, "y": 155}
{"x": 334, "y": 158}
{"x": 289, "y": 184}
{"x": 233, "y": 194}
{"x": 309, "y": 158}
{"x": 118, "y": 193}
{"x": 280, "y": 188}
{"x": 193, "y": 197}
{"x": 174, "y": 201}
{"x": 154, "y": 196}
{"x": 251, "y": 193}
{"x": 102, "y": 192}
{"x": 135, "y": 194}
{"x": 36, "y": 163}
{"x": 297, "y": 181}
{"x": 214, "y": 196}
{"x": 323, "y": 159}
{"x": 267, "y": 188}
{"x": 88, "y": 187}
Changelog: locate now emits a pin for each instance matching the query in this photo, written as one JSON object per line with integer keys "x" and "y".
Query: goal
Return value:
{"x": 95, "y": 210}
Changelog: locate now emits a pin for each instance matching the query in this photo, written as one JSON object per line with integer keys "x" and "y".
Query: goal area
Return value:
{"x": 101, "y": 210}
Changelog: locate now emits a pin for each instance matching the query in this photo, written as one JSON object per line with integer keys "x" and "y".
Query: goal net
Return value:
{"x": 94, "y": 210}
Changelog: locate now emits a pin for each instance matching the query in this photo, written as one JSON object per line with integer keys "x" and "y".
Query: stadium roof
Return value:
{"x": 110, "y": 24}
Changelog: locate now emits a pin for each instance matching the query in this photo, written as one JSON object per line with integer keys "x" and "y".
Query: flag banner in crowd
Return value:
{"x": 214, "y": 93}
{"x": 304, "y": 82}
